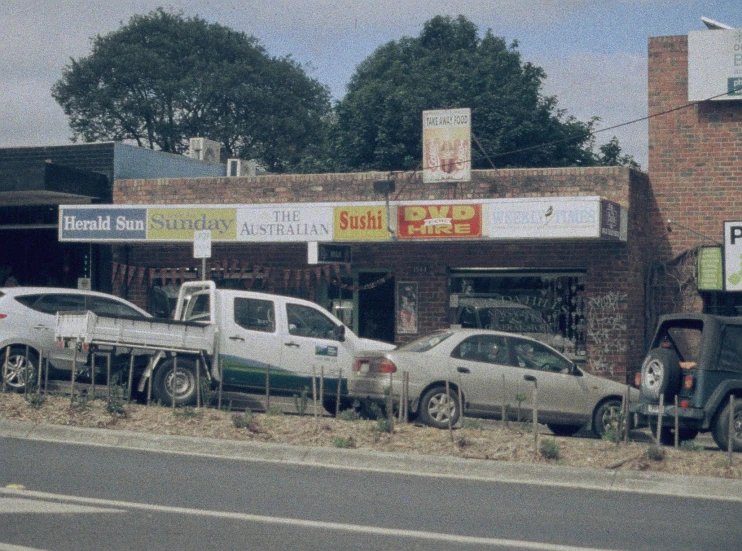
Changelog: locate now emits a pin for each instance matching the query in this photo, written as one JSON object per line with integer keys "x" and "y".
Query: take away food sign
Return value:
{"x": 447, "y": 145}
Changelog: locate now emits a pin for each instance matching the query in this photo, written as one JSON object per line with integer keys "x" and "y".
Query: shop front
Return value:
{"x": 565, "y": 268}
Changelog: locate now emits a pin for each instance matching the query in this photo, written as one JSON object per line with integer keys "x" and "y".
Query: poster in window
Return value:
{"x": 406, "y": 308}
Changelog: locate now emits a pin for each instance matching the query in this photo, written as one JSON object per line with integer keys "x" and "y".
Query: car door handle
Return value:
{"x": 292, "y": 344}
{"x": 463, "y": 370}
{"x": 237, "y": 338}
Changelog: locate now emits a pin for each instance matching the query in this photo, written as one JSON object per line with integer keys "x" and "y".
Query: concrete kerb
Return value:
{"x": 414, "y": 465}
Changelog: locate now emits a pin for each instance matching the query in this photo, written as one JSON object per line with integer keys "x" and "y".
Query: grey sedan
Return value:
{"x": 491, "y": 373}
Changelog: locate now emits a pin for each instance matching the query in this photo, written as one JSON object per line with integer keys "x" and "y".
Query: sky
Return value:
{"x": 594, "y": 52}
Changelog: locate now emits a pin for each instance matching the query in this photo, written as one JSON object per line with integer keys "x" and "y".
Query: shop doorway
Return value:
{"x": 376, "y": 306}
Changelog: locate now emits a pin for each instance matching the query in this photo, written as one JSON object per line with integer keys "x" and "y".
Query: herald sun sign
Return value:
{"x": 439, "y": 221}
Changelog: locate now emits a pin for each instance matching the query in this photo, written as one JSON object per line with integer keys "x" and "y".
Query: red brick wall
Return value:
{"x": 695, "y": 156}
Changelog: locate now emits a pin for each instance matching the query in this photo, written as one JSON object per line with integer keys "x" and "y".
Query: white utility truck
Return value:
{"x": 240, "y": 339}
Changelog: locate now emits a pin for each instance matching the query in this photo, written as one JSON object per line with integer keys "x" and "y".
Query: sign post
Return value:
{"x": 202, "y": 248}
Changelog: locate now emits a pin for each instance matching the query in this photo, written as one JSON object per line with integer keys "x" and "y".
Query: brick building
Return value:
{"x": 542, "y": 247}
{"x": 695, "y": 165}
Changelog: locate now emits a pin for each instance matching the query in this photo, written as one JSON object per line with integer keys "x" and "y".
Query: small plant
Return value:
{"x": 80, "y": 401}
{"x": 613, "y": 421}
{"x": 349, "y": 415}
{"x": 244, "y": 420}
{"x": 301, "y": 401}
{"x": 343, "y": 442}
{"x": 690, "y": 446}
{"x": 383, "y": 425}
{"x": 116, "y": 403}
{"x": 274, "y": 410}
{"x": 209, "y": 395}
{"x": 35, "y": 401}
{"x": 475, "y": 424}
{"x": 655, "y": 452}
{"x": 549, "y": 448}
{"x": 520, "y": 397}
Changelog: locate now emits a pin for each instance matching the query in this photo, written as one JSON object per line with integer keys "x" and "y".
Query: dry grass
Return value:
{"x": 492, "y": 441}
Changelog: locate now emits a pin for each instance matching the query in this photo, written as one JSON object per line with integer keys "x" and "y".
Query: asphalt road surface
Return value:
{"x": 58, "y": 496}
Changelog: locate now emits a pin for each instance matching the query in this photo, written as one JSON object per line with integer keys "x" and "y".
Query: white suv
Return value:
{"x": 28, "y": 320}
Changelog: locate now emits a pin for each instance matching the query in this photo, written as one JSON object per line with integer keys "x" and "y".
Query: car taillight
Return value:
{"x": 3, "y": 316}
{"x": 356, "y": 365}
{"x": 638, "y": 379}
{"x": 387, "y": 366}
{"x": 689, "y": 381}
{"x": 684, "y": 403}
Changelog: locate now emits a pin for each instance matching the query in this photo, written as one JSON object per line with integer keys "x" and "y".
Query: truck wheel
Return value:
{"x": 437, "y": 408}
{"x": 720, "y": 427}
{"x": 660, "y": 374}
{"x": 180, "y": 383}
{"x": 21, "y": 371}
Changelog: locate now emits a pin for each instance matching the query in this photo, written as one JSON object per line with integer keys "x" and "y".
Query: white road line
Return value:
{"x": 301, "y": 523}
{"x": 11, "y": 547}
{"x": 19, "y": 505}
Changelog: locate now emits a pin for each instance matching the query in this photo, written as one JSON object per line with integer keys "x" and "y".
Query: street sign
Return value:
{"x": 202, "y": 244}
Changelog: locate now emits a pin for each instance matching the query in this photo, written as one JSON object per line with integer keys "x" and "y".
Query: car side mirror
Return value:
{"x": 576, "y": 371}
{"x": 340, "y": 333}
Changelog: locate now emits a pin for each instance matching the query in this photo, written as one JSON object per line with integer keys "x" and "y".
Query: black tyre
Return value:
{"x": 21, "y": 371}
{"x": 178, "y": 385}
{"x": 606, "y": 416}
{"x": 660, "y": 374}
{"x": 667, "y": 437}
{"x": 720, "y": 427}
{"x": 330, "y": 404}
{"x": 438, "y": 409}
{"x": 564, "y": 430}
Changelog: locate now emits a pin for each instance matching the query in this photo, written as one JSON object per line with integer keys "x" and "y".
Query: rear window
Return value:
{"x": 685, "y": 339}
{"x": 423, "y": 344}
{"x": 53, "y": 303}
{"x": 730, "y": 355}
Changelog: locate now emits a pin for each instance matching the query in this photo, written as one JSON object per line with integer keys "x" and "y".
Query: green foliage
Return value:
{"x": 116, "y": 404}
{"x": 610, "y": 155}
{"x": 655, "y": 452}
{"x": 244, "y": 420}
{"x": 162, "y": 78}
{"x": 274, "y": 410}
{"x": 35, "y": 401}
{"x": 350, "y": 415}
{"x": 690, "y": 446}
{"x": 343, "y": 442}
{"x": 383, "y": 425}
{"x": 301, "y": 401}
{"x": 468, "y": 423}
{"x": 549, "y": 448}
{"x": 379, "y": 121}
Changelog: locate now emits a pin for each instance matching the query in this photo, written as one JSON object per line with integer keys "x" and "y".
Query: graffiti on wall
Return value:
{"x": 606, "y": 330}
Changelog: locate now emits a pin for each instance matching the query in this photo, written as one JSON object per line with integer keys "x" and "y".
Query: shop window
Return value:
{"x": 546, "y": 306}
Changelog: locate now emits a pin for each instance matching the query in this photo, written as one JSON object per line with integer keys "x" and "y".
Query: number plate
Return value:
{"x": 653, "y": 409}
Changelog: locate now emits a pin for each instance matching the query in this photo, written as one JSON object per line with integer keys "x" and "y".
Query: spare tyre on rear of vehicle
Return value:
{"x": 660, "y": 374}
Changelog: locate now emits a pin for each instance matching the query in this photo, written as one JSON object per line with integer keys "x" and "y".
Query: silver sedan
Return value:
{"x": 492, "y": 373}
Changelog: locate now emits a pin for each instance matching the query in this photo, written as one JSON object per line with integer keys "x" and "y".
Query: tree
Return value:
{"x": 379, "y": 121}
{"x": 163, "y": 78}
{"x": 610, "y": 155}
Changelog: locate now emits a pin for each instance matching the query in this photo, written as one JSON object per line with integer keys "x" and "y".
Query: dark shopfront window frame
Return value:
{"x": 516, "y": 299}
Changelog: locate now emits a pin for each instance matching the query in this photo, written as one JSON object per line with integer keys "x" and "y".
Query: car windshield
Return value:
{"x": 425, "y": 343}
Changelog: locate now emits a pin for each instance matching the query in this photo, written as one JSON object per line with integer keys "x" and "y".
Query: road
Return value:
{"x": 82, "y": 496}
